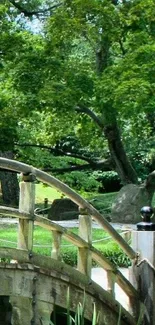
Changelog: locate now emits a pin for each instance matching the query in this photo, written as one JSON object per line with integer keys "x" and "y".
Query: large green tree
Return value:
{"x": 89, "y": 66}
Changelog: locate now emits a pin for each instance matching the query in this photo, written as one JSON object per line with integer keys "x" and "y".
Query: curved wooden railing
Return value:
{"x": 86, "y": 252}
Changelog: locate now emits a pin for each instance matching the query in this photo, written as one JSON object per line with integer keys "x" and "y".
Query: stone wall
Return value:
{"x": 32, "y": 301}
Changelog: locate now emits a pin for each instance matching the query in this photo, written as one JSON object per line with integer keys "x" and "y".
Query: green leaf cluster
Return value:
{"x": 98, "y": 54}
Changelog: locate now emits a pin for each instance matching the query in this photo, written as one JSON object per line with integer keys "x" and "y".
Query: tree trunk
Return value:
{"x": 119, "y": 159}
{"x": 9, "y": 183}
{"x": 123, "y": 166}
{"x": 109, "y": 126}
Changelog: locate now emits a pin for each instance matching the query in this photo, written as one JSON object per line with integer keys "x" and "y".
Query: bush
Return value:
{"x": 82, "y": 181}
{"x": 111, "y": 251}
{"x": 69, "y": 255}
{"x": 116, "y": 256}
{"x": 110, "y": 181}
{"x": 103, "y": 202}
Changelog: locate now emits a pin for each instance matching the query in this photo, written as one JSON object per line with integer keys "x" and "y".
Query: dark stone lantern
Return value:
{"x": 146, "y": 224}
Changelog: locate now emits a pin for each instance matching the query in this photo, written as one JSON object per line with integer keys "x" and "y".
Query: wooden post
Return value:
{"x": 85, "y": 232}
{"x": 142, "y": 273}
{"x": 111, "y": 283}
{"x": 56, "y": 245}
{"x": 26, "y": 204}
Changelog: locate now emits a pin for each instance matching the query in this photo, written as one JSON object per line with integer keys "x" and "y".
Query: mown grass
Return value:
{"x": 44, "y": 191}
{"x": 43, "y": 237}
{"x": 43, "y": 244}
{"x": 102, "y": 202}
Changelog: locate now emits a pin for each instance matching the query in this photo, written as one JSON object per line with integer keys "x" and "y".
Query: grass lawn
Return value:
{"x": 102, "y": 202}
{"x": 43, "y": 244}
{"x": 43, "y": 238}
{"x": 43, "y": 191}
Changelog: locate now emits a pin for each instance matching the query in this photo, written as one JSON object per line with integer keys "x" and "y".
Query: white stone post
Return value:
{"x": 142, "y": 273}
{"x": 85, "y": 232}
{"x": 56, "y": 245}
{"x": 26, "y": 204}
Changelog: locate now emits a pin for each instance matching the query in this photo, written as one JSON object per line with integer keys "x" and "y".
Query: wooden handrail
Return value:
{"x": 23, "y": 256}
{"x": 50, "y": 180}
{"x": 77, "y": 241}
{"x": 96, "y": 255}
{"x": 15, "y": 213}
{"x": 27, "y": 217}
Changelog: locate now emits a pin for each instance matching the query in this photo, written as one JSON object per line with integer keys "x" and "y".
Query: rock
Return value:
{"x": 128, "y": 203}
{"x": 63, "y": 209}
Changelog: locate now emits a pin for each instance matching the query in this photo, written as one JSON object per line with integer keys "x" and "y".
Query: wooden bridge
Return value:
{"x": 36, "y": 283}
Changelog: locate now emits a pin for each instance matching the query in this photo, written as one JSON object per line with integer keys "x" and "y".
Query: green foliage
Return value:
{"x": 86, "y": 54}
{"x": 102, "y": 202}
{"x": 8, "y": 131}
{"x": 115, "y": 254}
{"x": 111, "y": 251}
{"x": 77, "y": 317}
{"x": 79, "y": 180}
{"x": 110, "y": 181}
{"x": 140, "y": 149}
{"x": 69, "y": 255}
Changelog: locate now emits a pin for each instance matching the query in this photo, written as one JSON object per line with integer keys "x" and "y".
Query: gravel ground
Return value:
{"x": 74, "y": 223}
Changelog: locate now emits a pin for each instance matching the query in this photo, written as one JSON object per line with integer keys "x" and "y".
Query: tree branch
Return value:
{"x": 104, "y": 165}
{"x": 84, "y": 109}
{"x": 122, "y": 47}
{"x": 28, "y": 13}
{"x": 58, "y": 152}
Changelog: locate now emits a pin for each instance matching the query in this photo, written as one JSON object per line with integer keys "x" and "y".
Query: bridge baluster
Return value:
{"x": 26, "y": 204}
{"x": 85, "y": 232}
{"x": 111, "y": 283}
{"x": 56, "y": 245}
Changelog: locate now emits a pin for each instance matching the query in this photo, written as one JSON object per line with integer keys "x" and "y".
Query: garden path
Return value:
{"x": 75, "y": 223}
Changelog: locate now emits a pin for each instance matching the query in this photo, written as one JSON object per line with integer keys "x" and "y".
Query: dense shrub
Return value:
{"x": 109, "y": 181}
{"x": 80, "y": 180}
{"x": 93, "y": 181}
{"x": 69, "y": 255}
{"x": 112, "y": 252}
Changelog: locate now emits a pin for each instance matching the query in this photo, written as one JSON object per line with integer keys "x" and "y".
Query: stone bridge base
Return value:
{"x": 32, "y": 292}
{"x": 23, "y": 313}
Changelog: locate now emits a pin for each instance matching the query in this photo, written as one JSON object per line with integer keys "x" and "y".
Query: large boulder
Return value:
{"x": 63, "y": 209}
{"x": 128, "y": 203}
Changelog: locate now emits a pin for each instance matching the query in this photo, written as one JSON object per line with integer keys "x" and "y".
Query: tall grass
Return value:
{"x": 79, "y": 316}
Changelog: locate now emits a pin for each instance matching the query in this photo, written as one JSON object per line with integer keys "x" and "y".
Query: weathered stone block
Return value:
{"x": 63, "y": 209}
{"x": 128, "y": 203}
